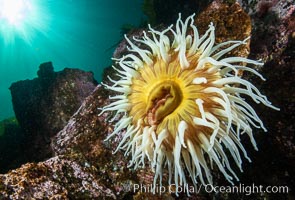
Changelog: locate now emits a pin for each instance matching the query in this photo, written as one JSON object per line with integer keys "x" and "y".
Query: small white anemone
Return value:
{"x": 183, "y": 104}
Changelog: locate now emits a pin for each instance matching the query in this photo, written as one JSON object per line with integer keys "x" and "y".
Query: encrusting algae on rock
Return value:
{"x": 182, "y": 104}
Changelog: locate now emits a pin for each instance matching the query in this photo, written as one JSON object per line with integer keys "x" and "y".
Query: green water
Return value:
{"x": 70, "y": 33}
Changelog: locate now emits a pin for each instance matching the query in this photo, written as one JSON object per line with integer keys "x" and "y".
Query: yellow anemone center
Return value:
{"x": 164, "y": 94}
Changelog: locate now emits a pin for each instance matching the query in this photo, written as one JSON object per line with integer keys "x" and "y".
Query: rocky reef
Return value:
{"x": 11, "y": 138}
{"x": 60, "y": 115}
{"x": 44, "y": 105}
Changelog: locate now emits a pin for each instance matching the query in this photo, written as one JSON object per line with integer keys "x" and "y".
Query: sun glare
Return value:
{"x": 22, "y": 19}
{"x": 14, "y": 11}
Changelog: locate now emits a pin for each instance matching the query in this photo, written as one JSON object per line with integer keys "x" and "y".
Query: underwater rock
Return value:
{"x": 46, "y": 71}
{"x": 166, "y": 11}
{"x": 84, "y": 166}
{"x": 44, "y": 105}
{"x": 85, "y": 134}
{"x": 11, "y": 138}
{"x": 56, "y": 178}
{"x": 235, "y": 26}
{"x": 273, "y": 41}
{"x": 273, "y": 24}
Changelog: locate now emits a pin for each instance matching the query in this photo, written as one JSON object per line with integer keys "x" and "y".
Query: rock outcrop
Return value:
{"x": 44, "y": 105}
{"x": 83, "y": 165}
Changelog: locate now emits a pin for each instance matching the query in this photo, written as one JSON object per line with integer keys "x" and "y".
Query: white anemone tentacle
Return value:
{"x": 183, "y": 104}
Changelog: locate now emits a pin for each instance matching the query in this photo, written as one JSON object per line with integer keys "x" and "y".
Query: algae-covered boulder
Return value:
{"x": 83, "y": 165}
{"x": 45, "y": 104}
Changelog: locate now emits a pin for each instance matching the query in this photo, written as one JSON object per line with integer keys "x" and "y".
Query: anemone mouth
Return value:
{"x": 163, "y": 94}
{"x": 182, "y": 102}
{"x": 164, "y": 99}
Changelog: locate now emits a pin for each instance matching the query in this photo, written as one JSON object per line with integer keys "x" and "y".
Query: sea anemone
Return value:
{"x": 183, "y": 105}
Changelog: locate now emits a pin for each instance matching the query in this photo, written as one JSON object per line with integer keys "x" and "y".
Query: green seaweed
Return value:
{"x": 7, "y": 122}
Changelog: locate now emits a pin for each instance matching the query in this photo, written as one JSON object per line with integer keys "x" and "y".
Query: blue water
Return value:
{"x": 70, "y": 33}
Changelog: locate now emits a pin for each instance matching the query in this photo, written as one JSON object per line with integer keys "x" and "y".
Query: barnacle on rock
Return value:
{"x": 183, "y": 104}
